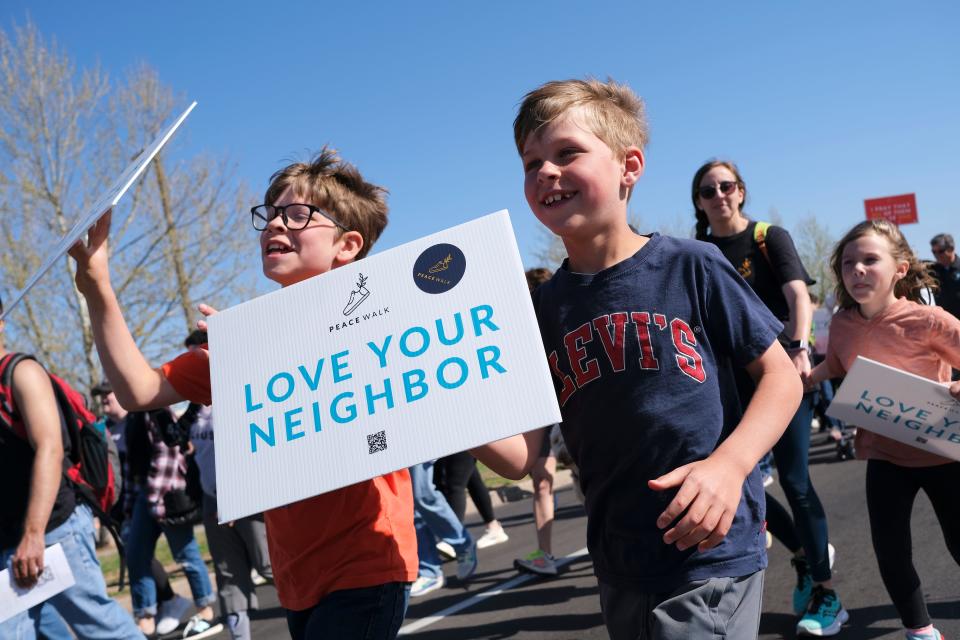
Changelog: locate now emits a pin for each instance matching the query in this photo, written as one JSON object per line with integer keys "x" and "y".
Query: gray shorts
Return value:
{"x": 713, "y": 608}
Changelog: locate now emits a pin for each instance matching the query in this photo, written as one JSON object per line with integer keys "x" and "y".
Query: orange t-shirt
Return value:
{"x": 922, "y": 340}
{"x": 357, "y": 536}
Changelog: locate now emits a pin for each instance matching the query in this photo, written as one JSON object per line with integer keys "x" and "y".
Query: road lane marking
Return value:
{"x": 492, "y": 592}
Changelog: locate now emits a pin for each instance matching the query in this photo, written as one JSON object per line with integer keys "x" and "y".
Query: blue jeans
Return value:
{"x": 792, "y": 456}
{"x": 50, "y": 625}
{"x": 368, "y": 613}
{"x": 141, "y": 544}
{"x": 434, "y": 519}
{"x": 85, "y": 606}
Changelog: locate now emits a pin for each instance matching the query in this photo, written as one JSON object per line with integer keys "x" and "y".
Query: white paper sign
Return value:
{"x": 425, "y": 350}
{"x": 899, "y": 405}
{"x": 56, "y": 577}
{"x": 106, "y": 201}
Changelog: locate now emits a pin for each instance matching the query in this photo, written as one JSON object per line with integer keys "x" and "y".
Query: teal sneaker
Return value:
{"x": 803, "y": 591}
{"x": 825, "y": 615}
{"x": 933, "y": 634}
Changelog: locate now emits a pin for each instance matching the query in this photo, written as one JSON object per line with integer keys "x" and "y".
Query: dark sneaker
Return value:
{"x": 539, "y": 562}
{"x": 467, "y": 561}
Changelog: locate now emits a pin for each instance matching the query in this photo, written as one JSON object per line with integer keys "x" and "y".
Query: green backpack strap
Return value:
{"x": 760, "y": 237}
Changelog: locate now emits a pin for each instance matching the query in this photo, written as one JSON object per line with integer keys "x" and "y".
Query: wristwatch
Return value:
{"x": 797, "y": 345}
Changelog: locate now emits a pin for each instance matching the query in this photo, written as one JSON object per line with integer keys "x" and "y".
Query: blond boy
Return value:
{"x": 641, "y": 333}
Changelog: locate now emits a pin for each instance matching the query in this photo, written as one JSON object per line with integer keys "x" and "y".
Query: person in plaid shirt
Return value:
{"x": 156, "y": 469}
{"x": 171, "y": 606}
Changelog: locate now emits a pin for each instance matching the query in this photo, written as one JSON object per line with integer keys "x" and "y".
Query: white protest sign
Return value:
{"x": 106, "y": 201}
{"x": 424, "y": 350}
{"x": 56, "y": 577}
{"x": 899, "y": 405}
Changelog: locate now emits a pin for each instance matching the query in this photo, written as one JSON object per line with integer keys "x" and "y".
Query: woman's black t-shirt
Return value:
{"x": 765, "y": 277}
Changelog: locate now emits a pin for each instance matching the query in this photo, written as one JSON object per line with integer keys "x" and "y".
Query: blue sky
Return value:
{"x": 821, "y": 104}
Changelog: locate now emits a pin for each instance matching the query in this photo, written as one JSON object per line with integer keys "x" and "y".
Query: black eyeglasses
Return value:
{"x": 295, "y": 216}
{"x": 709, "y": 193}
{"x": 938, "y": 252}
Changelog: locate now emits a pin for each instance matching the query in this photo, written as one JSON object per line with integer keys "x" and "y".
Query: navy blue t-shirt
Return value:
{"x": 641, "y": 355}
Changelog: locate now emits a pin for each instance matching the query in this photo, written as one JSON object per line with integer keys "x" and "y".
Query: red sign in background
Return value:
{"x": 896, "y": 209}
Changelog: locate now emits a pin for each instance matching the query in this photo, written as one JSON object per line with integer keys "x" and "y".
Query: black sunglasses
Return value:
{"x": 709, "y": 193}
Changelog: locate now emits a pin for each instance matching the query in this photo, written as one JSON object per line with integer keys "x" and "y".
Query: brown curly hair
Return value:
{"x": 910, "y": 286}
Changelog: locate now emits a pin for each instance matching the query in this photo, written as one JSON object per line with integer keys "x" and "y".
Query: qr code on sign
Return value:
{"x": 377, "y": 441}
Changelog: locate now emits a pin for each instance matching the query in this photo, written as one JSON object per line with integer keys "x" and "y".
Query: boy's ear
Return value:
{"x": 351, "y": 242}
{"x": 633, "y": 163}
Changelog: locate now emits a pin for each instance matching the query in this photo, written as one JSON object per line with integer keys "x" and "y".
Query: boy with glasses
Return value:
{"x": 342, "y": 561}
{"x": 641, "y": 333}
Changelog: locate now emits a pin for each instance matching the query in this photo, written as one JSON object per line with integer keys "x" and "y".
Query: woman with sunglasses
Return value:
{"x": 768, "y": 261}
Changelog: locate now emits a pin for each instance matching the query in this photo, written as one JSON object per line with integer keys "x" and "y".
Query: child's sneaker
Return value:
{"x": 445, "y": 549}
{"x": 803, "y": 590}
{"x": 825, "y": 616}
{"x": 932, "y": 634}
{"x": 539, "y": 562}
{"x": 425, "y": 584}
{"x": 198, "y": 628}
{"x": 467, "y": 561}
{"x": 492, "y": 536}
{"x": 171, "y": 613}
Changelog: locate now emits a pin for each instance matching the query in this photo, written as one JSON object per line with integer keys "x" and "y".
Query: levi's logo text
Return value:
{"x": 461, "y": 349}
{"x": 615, "y": 332}
{"x": 439, "y": 268}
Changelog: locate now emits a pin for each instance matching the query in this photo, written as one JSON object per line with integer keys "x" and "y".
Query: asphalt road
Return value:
{"x": 496, "y": 604}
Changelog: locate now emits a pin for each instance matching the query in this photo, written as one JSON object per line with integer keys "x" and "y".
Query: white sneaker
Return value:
{"x": 831, "y": 554}
{"x": 425, "y": 584}
{"x": 198, "y": 628}
{"x": 170, "y": 614}
{"x": 446, "y": 551}
{"x": 491, "y": 537}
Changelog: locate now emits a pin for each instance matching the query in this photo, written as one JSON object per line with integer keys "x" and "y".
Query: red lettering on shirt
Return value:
{"x": 574, "y": 342}
{"x": 568, "y": 388}
{"x": 641, "y": 321}
{"x": 613, "y": 344}
{"x": 685, "y": 343}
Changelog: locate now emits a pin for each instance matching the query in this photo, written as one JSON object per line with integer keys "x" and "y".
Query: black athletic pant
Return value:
{"x": 891, "y": 490}
{"x": 480, "y": 496}
{"x": 451, "y": 474}
{"x": 780, "y": 524}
